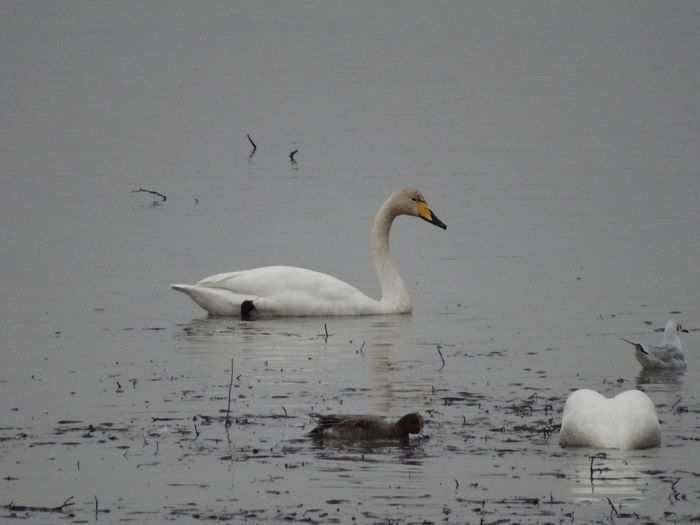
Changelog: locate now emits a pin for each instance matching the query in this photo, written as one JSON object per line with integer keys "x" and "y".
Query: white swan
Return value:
{"x": 290, "y": 291}
{"x": 669, "y": 354}
{"x": 626, "y": 421}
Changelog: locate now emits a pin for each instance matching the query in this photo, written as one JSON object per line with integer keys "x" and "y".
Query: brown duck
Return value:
{"x": 366, "y": 427}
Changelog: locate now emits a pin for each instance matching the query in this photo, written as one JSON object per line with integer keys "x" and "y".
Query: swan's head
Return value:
{"x": 411, "y": 423}
{"x": 409, "y": 201}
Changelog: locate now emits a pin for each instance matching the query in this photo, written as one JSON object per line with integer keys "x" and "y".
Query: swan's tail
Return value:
{"x": 215, "y": 301}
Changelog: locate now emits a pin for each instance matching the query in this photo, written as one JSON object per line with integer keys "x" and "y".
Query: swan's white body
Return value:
{"x": 669, "y": 354}
{"x": 626, "y": 421}
{"x": 291, "y": 291}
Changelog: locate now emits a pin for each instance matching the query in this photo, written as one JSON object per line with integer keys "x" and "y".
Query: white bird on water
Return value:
{"x": 669, "y": 354}
{"x": 626, "y": 421}
{"x": 291, "y": 291}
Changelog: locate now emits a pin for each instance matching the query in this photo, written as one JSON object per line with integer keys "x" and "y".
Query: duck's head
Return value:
{"x": 411, "y": 423}
{"x": 410, "y": 201}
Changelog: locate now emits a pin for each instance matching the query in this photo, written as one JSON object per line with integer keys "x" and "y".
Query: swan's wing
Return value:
{"x": 269, "y": 280}
{"x": 288, "y": 290}
{"x": 627, "y": 421}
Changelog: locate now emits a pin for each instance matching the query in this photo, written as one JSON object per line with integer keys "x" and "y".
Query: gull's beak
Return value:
{"x": 425, "y": 213}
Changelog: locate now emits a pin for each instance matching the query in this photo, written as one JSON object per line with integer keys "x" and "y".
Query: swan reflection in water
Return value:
{"x": 624, "y": 476}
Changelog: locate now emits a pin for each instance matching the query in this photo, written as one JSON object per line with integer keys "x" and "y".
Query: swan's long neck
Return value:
{"x": 394, "y": 293}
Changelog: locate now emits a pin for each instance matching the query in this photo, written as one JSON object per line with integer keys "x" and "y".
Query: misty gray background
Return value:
{"x": 558, "y": 141}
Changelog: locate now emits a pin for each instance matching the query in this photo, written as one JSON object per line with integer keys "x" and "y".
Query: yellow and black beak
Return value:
{"x": 425, "y": 213}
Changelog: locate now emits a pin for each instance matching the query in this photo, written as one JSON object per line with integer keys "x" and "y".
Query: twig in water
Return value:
{"x": 254, "y": 146}
{"x": 285, "y": 412}
{"x": 325, "y": 328}
{"x": 196, "y": 432}
{"x": 599, "y": 455}
{"x": 291, "y": 156}
{"x": 439, "y": 348}
{"x": 97, "y": 509}
{"x": 227, "y": 423}
{"x": 674, "y": 405}
{"x": 456, "y": 484}
{"x": 614, "y": 510}
{"x": 163, "y": 197}
{"x": 28, "y": 508}
{"x": 546, "y": 432}
{"x": 675, "y": 494}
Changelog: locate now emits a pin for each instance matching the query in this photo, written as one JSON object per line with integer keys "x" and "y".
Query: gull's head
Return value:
{"x": 674, "y": 327}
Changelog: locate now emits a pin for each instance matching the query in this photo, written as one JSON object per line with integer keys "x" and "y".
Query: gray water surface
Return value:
{"x": 559, "y": 142}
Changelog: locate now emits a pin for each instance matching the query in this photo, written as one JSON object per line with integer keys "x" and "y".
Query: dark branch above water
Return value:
{"x": 163, "y": 197}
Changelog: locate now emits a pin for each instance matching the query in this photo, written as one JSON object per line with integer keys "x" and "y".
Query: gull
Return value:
{"x": 669, "y": 354}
